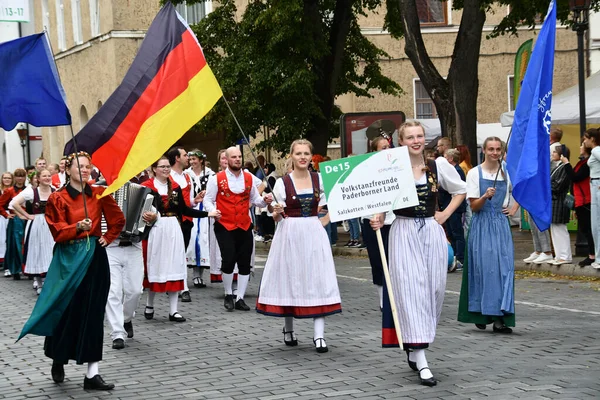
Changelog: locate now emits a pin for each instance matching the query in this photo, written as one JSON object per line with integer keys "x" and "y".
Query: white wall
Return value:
{"x": 594, "y": 44}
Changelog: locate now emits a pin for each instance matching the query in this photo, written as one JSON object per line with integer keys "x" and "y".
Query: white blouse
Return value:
{"x": 473, "y": 191}
{"x": 279, "y": 191}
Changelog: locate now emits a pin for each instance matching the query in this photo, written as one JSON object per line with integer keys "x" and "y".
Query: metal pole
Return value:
{"x": 581, "y": 68}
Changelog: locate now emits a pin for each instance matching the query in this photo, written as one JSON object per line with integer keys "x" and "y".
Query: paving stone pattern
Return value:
{"x": 553, "y": 352}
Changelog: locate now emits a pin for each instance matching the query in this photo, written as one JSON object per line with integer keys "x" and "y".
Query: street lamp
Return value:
{"x": 23, "y": 131}
{"x": 580, "y": 10}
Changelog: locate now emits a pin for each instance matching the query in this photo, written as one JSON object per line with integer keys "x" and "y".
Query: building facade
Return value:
{"x": 94, "y": 42}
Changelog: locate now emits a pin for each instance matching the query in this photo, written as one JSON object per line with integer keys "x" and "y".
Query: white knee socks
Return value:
{"x": 92, "y": 370}
{"x": 173, "y": 298}
{"x": 319, "y": 329}
{"x": 242, "y": 285}
{"x": 150, "y": 299}
{"x": 380, "y": 292}
{"x": 419, "y": 356}
{"x": 227, "y": 283}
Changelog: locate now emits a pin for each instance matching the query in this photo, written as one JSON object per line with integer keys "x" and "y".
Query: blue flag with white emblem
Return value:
{"x": 528, "y": 156}
{"x": 30, "y": 90}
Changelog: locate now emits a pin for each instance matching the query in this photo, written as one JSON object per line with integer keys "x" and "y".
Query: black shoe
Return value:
{"x": 176, "y": 317}
{"x": 17, "y": 276}
{"x": 199, "y": 283}
{"x": 586, "y": 262}
{"x": 185, "y": 297}
{"x": 229, "y": 302}
{"x": 321, "y": 345}
{"x": 58, "y": 372}
{"x": 241, "y": 305}
{"x": 96, "y": 383}
{"x": 149, "y": 315}
{"x": 293, "y": 341}
{"x": 502, "y": 329}
{"x": 481, "y": 326}
{"x": 429, "y": 381}
{"x": 411, "y": 364}
{"x": 118, "y": 344}
{"x": 128, "y": 326}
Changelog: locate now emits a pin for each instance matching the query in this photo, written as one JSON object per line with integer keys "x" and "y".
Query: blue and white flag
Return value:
{"x": 30, "y": 90}
{"x": 528, "y": 157}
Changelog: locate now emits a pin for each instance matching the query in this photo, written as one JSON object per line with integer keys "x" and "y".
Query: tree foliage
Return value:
{"x": 282, "y": 64}
{"x": 456, "y": 96}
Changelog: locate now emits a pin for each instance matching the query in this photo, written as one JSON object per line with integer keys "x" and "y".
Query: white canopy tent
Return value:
{"x": 565, "y": 105}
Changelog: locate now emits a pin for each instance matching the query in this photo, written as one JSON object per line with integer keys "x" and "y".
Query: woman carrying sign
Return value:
{"x": 299, "y": 280}
{"x": 418, "y": 252}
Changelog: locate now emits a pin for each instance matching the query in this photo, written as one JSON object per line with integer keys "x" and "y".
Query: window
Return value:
{"x": 432, "y": 12}
{"x": 95, "y": 17}
{"x": 76, "y": 16}
{"x": 45, "y": 16}
{"x": 194, "y": 13}
{"x": 511, "y": 92}
{"x": 424, "y": 107}
{"x": 60, "y": 25}
{"x": 83, "y": 117}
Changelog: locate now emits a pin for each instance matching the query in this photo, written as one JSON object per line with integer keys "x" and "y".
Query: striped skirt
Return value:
{"x": 418, "y": 254}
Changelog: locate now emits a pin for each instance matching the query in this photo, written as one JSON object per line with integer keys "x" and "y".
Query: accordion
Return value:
{"x": 134, "y": 200}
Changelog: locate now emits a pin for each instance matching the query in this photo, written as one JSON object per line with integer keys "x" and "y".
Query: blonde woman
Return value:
{"x": 418, "y": 253}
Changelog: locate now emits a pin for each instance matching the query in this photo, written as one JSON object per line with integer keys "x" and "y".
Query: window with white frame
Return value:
{"x": 60, "y": 25}
{"x": 511, "y": 92}
{"x": 432, "y": 12}
{"x": 45, "y": 16}
{"x": 424, "y": 106}
{"x": 95, "y": 17}
{"x": 195, "y": 12}
{"x": 76, "y": 16}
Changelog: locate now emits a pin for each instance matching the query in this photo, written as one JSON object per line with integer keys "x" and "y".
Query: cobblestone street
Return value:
{"x": 553, "y": 352}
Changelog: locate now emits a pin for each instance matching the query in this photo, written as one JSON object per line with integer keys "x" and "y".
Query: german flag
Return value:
{"x": 168, "y": 88}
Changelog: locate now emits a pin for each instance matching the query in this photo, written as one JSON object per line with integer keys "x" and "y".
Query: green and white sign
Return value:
{"x": 367, "y": 184}
{"x": 14, "y": 10}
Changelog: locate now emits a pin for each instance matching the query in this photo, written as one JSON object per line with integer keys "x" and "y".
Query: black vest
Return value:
{"x": 427, "y": 193}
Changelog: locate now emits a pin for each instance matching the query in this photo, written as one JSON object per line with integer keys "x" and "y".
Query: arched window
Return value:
{"x": 83, "y": 117}
{"x": 99, "y": 105}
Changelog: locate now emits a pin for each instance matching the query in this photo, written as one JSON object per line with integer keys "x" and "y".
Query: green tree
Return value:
{"x": 282, "y": 64}
{"x": 455, "y": 97}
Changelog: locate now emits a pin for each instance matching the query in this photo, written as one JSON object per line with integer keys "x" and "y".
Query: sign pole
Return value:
{"x": 388, "y": 284}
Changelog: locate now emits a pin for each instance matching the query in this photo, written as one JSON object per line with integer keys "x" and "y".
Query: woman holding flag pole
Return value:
{"x": 418, "y": 252}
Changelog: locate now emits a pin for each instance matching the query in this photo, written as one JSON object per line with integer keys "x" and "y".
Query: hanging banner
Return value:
{"x": 368, "y": 184}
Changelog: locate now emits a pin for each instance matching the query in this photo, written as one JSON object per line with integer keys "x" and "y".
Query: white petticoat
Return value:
{"x": 40, "y": 244}
{"x": 299, "y": 270}
{"x": 166, "y": 252}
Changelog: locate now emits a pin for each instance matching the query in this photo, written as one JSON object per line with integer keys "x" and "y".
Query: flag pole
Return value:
{"x": 249, "y": 146}
{"x": 85, "y": 211}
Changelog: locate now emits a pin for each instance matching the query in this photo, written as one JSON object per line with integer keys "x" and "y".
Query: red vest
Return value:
{"x": 234, "y": 207}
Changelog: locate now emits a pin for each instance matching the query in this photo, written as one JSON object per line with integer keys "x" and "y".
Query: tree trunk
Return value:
{"x": 328, "y": 68}
{"x": 455, "y": 99}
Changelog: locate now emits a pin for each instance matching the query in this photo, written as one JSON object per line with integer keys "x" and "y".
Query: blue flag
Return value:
{"x": 30, "y": 90}
{"x": 528, "y": 156}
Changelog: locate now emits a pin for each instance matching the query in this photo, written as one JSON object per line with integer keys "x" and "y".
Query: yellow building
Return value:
{"x": 95, "y": 41}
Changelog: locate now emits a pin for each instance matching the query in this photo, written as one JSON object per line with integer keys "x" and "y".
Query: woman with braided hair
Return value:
{"x": 164, "y": 251}
{"x": 70, "y": 309}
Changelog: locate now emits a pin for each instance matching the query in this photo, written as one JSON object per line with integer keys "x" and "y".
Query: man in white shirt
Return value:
{"x": 179, "y": 161}
{"x": 232, "y": 191}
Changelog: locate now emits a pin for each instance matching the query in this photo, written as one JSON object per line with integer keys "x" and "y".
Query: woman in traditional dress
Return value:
{"x": 370, "y": 238}
{"x": 418, "y": 253}
{"x": 70, "y": 309}
{"x": 198, "y": 251}
{"x": 165, "y": 252}
{"x": 37, "y": 253}
{"x": 487, "y": 292}
{"x": 299, "y": 279}
{"x": 6, "y": 182}
{"x": 13, "y": 257}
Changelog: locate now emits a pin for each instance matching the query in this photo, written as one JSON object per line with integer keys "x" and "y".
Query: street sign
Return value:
{"x": 14, "y": 10}
{"x": 367, "y": 184}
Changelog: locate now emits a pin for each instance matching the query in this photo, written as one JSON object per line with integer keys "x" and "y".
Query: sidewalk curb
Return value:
{"x": 562, "y": 270}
